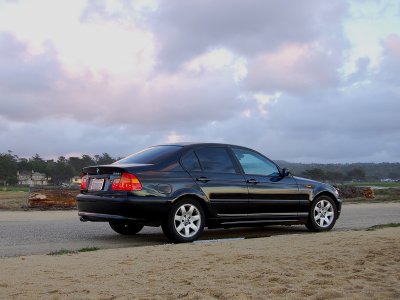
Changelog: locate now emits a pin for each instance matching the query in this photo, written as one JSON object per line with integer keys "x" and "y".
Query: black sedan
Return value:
{"x": 186, "y": 187}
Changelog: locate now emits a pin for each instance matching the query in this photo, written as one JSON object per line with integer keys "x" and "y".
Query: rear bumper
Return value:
{"x": 146, "y": 210}
{"x": 95, "y": 217}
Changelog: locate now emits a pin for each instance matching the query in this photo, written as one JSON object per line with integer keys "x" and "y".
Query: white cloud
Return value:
{"x": 297, "y": 68}
{"x": 102, "y": 47}
{"x": 263, "y": 100}
{"x": 246, "y": 113}
{"x": 219, "y": 60}
{"x": 368, "y": 24}
{"x": 174, "y": 137}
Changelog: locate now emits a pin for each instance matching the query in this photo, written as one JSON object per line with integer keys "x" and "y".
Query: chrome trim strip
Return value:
{"x": 264, "y": 214}
{"x": 261, "y": 221}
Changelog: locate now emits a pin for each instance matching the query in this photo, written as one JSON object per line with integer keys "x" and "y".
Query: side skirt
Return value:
{"x": 257, "y": 220}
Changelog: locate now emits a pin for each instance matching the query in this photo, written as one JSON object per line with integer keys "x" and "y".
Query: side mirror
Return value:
{"x": 285, "y": 172}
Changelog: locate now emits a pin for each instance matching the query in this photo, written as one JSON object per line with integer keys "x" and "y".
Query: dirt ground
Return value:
{"x": 341, "y": 265}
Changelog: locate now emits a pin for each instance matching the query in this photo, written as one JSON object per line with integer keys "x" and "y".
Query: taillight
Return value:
{"x": 84, "y": 183}
{"x": 127, "y": 182}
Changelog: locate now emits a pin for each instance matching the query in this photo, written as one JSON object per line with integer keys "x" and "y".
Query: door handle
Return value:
{"x": 202, "y": 179}
{"x": 252, "y": 181}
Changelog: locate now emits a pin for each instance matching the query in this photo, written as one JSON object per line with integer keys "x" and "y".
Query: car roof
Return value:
{"x": 193, "y": 144}
{"x": 185, "y": 144}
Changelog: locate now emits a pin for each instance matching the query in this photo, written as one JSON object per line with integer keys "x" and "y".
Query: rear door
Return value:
{"x": 219, "y": 179}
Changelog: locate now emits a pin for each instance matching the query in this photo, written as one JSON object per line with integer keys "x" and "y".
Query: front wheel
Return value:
{"x": 185, "y": 221}
{"x": 323, "y": 214}
{"x": 126, "y": 228}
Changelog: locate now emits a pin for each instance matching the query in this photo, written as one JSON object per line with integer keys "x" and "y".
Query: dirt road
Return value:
{"x": 41, "y": 232}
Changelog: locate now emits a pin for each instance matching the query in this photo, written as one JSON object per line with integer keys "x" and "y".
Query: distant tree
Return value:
{"x": 316, "y": 174}
{"x": 24, "y": 165}
{"x": 87, "y": 160}
{"x": 334, "y": 176}
{"x": 104, "y": 159}
{"x": 60, "y": 171}
{"x": 78, "y": 163}
{"x": 356, "y": 174}
{"x": 38, "y": 164}
{"x": 394, "y": 175}
{"x": 8, "y": 168}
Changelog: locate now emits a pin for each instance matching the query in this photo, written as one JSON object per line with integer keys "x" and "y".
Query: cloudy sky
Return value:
{"x": 303, "y": 81}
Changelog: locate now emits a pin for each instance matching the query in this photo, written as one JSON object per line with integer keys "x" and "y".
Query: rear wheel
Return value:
{"x": 323, "y": 214}
{"x": 126, "y": 228}
{"x": 185, "y": 221}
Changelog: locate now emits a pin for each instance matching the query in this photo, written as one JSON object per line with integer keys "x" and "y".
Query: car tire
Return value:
{"x": 126, "y": 228}
{"x": 184, "y": 222}
{"x": 323, "y": 214}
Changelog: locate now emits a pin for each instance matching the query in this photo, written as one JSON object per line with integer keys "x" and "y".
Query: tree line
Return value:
{"x": 355, "y": 174}
{"x": 63, "y": 169}
{"x": 60, "y": 170}
{"x": 339, "y": 173}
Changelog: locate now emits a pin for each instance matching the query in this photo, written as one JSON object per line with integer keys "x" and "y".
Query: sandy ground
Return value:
{"x": 350, "y": 265}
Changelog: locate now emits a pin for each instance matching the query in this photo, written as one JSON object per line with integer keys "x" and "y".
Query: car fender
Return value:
{"x": 196, "y": 194}
{"x": 324, "y": 190}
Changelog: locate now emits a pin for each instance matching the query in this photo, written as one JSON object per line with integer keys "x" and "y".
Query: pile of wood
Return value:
{"x": 52, "y": 197}
{"x": 356, "y": 192}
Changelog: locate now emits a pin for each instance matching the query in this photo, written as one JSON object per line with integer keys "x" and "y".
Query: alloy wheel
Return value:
{"x": 324, "y": 213}
{"x": 187, "y": 220}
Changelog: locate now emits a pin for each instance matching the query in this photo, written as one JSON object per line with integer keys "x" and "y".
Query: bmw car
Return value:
{"x": 189, "y": 186}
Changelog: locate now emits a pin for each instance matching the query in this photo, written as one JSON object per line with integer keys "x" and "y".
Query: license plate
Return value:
{"x": 96, "y": 184}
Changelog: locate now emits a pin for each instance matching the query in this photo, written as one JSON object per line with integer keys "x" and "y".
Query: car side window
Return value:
{"x": 214, "y": 159}
{"x": 255, "y": 164}
{"x": 190, "y": 162}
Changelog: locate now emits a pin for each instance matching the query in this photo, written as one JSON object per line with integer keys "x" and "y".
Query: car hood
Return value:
{"x": 301, "y": 180}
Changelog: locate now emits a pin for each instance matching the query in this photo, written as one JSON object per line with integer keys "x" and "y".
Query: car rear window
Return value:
{"x": 152, "y": 155}
{"x": 191, "y": 163}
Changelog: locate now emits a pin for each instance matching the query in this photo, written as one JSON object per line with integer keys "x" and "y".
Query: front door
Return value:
{"x": 270, "y": 194}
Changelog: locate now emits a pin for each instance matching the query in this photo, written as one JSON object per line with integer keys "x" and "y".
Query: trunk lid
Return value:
{"x": 99, "y": 179}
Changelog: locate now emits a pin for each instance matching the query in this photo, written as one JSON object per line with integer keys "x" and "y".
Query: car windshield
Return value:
{"x": 152, "y": 155}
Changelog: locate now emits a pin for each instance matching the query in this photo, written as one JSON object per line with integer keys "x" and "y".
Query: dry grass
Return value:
{"x": 13, "y": 200}
{"x": 381, "y": 195}
{"x": 66, "y": 251}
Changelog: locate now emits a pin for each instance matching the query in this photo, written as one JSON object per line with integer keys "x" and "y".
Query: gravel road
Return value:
{"x": 41, "y": 232}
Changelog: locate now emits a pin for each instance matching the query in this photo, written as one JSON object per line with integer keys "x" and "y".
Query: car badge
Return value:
{"x": 98, "y": 171}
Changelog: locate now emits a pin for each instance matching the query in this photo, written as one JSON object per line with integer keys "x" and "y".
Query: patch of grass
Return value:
{"x": 389, "y": 225}
{"x": 62, "y": 252}
{"x": 375, "y": 183}
{"x": 14, "y": 188}
{"x": 66, "y": 251}
{"x": 88, "y": 249}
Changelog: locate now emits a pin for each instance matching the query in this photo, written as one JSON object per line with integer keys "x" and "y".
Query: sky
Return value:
{"x": 302, "y": 81}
